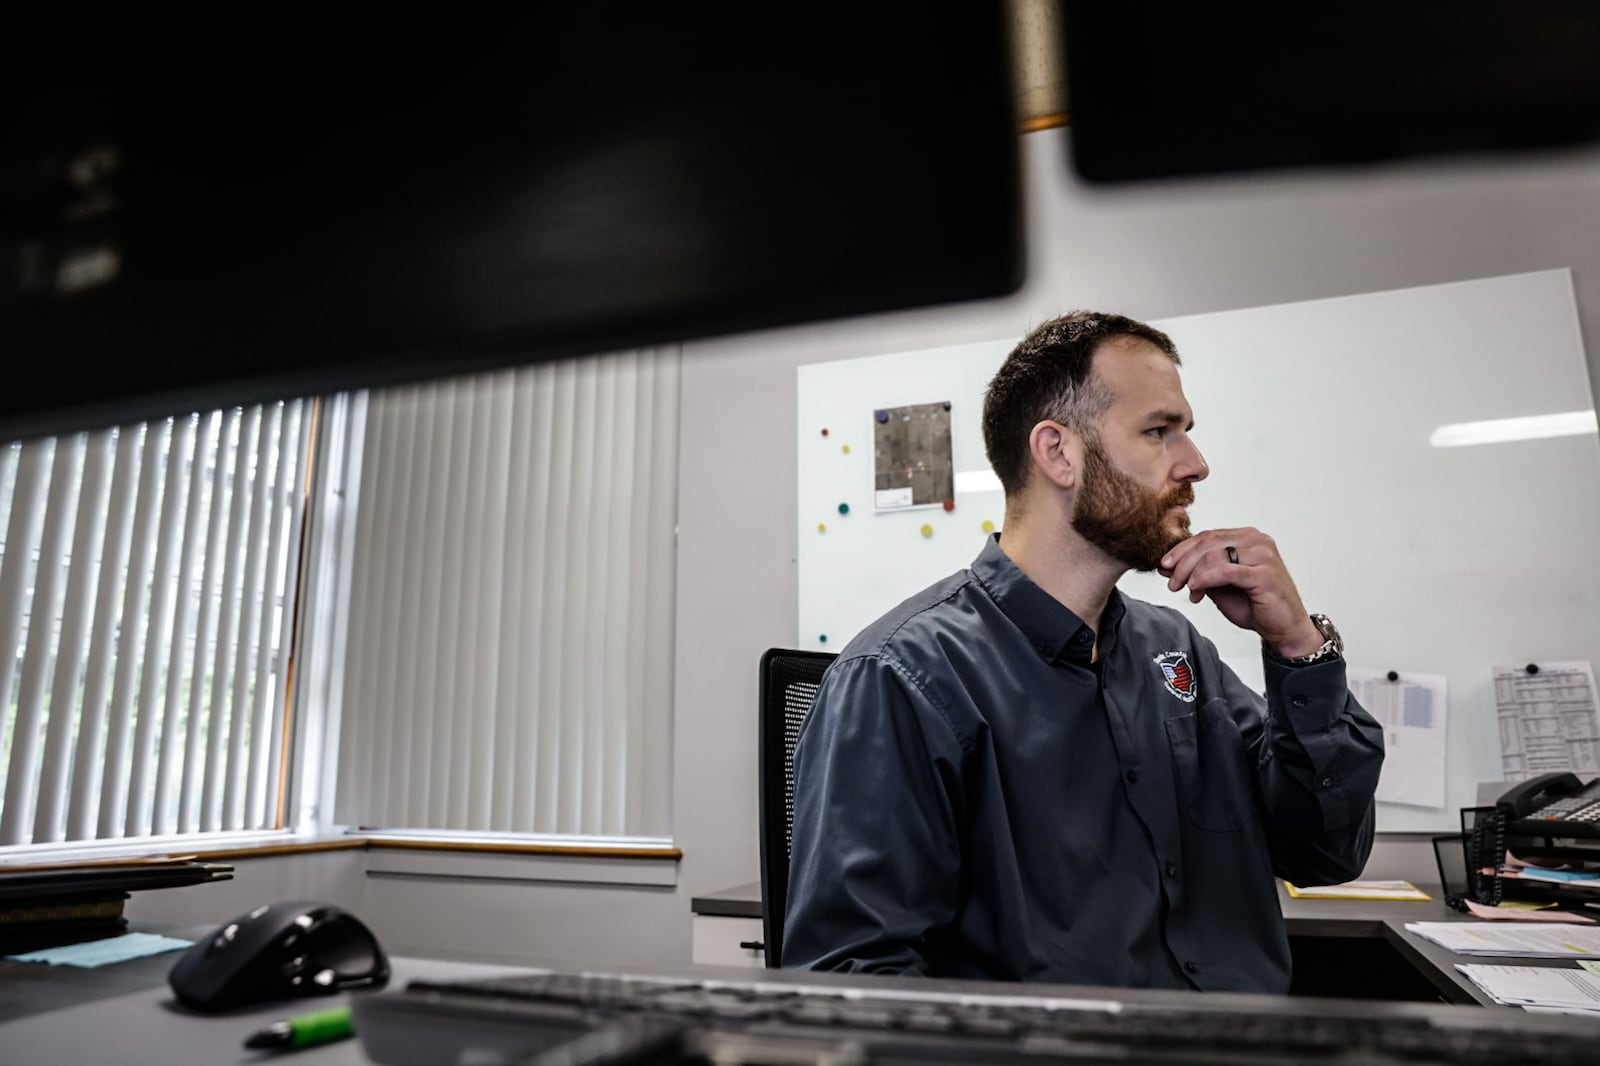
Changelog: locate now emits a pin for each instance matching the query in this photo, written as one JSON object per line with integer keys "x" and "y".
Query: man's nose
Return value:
{"x": 1192, "y": 467}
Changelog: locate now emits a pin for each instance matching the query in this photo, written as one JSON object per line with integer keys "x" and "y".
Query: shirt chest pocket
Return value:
{"x": 1215, "y": 775}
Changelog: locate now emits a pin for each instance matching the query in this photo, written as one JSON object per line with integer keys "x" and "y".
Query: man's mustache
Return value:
{"x": 1182, "y": 496}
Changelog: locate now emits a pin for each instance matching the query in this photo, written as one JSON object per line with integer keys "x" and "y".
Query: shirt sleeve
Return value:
{"x": 875, "y": 860}
{"x": 1318, "y": 761}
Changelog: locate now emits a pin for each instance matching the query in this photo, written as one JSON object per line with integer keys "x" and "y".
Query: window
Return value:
{"x": 485, "y": 614}
{"x": 507, "y": 654}
{"x": 148, "y": 580}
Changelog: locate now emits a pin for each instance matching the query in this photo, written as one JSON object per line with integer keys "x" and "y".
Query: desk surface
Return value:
{"x": 126, "y": 1014}
{"x": 149, "y": 1028}
{"x": 1383, "y": 920}
{"x": 31, "y": 987}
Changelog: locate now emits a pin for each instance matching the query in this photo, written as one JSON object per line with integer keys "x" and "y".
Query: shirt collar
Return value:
{"x": 1053, "y": 630}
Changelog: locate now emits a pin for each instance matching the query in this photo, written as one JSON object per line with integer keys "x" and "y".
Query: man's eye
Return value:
{"x": 1157, "y": 431}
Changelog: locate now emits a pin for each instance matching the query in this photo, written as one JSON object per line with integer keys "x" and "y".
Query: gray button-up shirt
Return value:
{"x": 974, "y": 798}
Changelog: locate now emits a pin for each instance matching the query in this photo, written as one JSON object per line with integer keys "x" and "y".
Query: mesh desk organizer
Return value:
{"x": 1491, "y": 845}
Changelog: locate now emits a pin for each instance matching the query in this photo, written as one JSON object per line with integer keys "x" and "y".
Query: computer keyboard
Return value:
{"x": 584, "y": 1019}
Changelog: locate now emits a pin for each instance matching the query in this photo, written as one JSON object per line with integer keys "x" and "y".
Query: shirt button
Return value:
{"x": 1298, "y": 701}
{"x": 1326, "y": 782}
{"x": 1172, "y": 871}
{"x": 1191, "y": 967}
{"x": 1132, "y": 776}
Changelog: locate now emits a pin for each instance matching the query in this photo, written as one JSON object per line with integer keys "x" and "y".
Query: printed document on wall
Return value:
{"x": 1411, "y": 710}
{"x": 1548, "y": 719}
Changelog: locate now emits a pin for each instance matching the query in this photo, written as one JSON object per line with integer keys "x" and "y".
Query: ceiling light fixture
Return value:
{"x": 1503, "y": 430}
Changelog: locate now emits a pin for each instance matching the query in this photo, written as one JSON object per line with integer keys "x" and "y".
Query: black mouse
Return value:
{"x": 278, "y": 951}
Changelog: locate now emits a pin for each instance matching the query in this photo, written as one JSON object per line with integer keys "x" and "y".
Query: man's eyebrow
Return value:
{"x": 1171, "y": 418}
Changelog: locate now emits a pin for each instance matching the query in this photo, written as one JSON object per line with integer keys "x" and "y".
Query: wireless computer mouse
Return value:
{"x": 296, "y": 948}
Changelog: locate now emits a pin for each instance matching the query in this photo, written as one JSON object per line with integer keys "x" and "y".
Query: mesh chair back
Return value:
{"x": 789, "y": 680}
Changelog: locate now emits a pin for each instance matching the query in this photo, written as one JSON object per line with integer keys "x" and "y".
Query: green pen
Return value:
{"x": 305, "y": 1030}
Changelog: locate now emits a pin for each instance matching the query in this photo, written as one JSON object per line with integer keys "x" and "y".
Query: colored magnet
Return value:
{"x": 821, "y": 528}
{"x": 881, "y": 416}
{"x": 824, "y": 431}
{"x": 949, "y": 505}
{"x": 927, "y": 531}
{"x": 822, "y": 638}
{"x": 846, "y": 449}
{"x": 844, "y": 508}
{"x": 988, "y": 526}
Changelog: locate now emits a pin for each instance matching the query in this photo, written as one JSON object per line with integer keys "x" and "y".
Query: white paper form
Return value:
{"x": 1539, "y": 986}
{"x": 1507, "y": 939}
{"x": 1411, "y": 710}
{"x": 1548, "y": 720}
{"x": 1580, "y": 1012}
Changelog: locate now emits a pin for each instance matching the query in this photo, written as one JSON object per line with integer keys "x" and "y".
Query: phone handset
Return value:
{"x": 1531, "y": 795}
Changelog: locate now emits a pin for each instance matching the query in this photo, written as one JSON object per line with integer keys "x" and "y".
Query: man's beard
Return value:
{"x": 1123, "y": 519}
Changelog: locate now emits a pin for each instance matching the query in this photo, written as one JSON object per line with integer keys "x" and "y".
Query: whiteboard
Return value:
{"x": 1315, "y": 419}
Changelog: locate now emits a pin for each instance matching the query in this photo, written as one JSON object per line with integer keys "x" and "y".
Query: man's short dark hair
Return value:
{"x": 1047, "y": 376}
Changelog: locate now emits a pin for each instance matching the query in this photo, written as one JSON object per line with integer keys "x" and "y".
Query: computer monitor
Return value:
{"x": 1198, "y": 89}
{"x": 197, "y": 215}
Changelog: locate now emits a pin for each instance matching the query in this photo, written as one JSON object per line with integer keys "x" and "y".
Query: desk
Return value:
{"x": 148, "y": 1027}
{"x": 31, "y": 988}
{"x": 1331, "y": 940}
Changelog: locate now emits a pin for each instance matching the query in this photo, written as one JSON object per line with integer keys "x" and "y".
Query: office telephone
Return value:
{"x": 1552, "y": 805}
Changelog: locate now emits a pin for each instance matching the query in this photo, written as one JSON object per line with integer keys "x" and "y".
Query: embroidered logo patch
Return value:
{"x": 1177, "y": 674}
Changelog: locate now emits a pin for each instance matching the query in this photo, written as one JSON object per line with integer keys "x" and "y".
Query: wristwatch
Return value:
{"x": 1332, "y": 645}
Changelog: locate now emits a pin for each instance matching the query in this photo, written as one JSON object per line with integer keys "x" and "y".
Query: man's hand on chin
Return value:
{"x": 1241, "y": 572}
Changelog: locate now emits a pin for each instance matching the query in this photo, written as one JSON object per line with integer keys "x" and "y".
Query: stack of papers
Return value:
{"x": 1585, "y": 878}
{"x": 1511, "y": 912}
{"x": 1504, "y": 939}
{"x": 1538, "y": 988}
{"x": 1360, "y": 890}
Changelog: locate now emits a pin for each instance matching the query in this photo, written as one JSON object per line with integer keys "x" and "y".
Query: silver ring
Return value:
{"x": 1233, "y": 555}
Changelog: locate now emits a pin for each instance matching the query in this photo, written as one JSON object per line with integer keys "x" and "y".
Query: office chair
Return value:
{"x": 789, "y": 681}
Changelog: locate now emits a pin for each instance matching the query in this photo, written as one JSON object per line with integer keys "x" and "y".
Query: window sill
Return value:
{"x": 267, "y": 844}
{"x": 207, "y": 846}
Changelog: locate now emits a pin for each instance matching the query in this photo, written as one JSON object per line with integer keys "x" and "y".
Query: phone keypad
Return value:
{"x": 1573, "y": 810}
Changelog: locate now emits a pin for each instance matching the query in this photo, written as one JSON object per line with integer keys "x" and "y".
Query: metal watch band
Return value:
{"x": 1332, "y": 647}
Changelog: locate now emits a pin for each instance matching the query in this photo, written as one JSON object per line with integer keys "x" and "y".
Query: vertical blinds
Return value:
{"x": 509, "y": 653}
{"x": 147, "y": 584}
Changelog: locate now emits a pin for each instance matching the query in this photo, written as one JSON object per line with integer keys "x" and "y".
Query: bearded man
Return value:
{"x": 1022, "y": 774}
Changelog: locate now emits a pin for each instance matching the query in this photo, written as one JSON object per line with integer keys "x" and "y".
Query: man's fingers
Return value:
{"x": 1213, "y": 571}
{"x": 1184, "y": 558}
{"x": 1210, "y": 551}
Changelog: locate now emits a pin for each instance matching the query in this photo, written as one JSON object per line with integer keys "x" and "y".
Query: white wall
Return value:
{"x": 1151, "y": 252}
{"x": 475, "y": 906}
{"x": 335, "y": 877}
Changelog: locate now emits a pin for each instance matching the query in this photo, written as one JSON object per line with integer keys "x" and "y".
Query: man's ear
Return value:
{"x": 1057, "y": 453}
